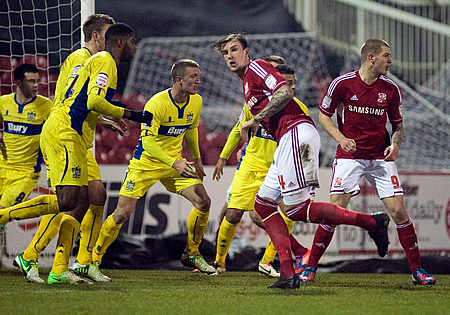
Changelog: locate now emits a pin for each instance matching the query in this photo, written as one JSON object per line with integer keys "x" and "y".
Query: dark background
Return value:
{"x": 162, "y": 18}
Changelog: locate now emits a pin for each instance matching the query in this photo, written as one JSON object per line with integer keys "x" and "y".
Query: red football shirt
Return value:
{"x": 363, "y": 111}
{"x": 260, "y": 82}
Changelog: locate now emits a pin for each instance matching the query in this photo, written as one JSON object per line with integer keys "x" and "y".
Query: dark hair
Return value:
{"x": 285, "y": 69}
{"x": 275, "y": 59}
{"x": 179, "y": 68}
{"x": 19, "y": 72}
{"x": 372, "y": 46}
{"x": 230, "y": 37}
{"x": 115, "y": 31}
{"x": 95, "y": 22}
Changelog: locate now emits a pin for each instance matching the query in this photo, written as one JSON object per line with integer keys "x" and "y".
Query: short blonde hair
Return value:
{"x": 372, "y": 46}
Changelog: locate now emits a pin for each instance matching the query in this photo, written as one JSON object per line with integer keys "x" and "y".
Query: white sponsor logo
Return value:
{"x": 252, "y": 101}
{"x": 17, "y": 128}
{"x": 271, "y": 82}
{"x": 175, "y": 131}
{"x": 326, "y": 101}
{"x": 354, "y": 98}
{"x": 366, "y": 110}
{"x": 102, "y": 79}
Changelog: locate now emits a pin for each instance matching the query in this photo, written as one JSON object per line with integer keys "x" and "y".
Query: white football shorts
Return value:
{"x": 293, "y": 174}
{"x": 381, "y": 174}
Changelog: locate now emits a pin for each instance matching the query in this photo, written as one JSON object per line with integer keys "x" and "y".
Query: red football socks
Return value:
{"x": 278, "y": 232}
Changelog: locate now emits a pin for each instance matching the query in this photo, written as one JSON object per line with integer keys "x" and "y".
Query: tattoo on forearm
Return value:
{"x": 397, "y": 136}
{"x": 278, "y": 101}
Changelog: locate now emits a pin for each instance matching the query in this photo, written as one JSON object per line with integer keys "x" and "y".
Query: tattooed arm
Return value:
{"x": 279, "y": 99}
{"x": 391, "y": 152}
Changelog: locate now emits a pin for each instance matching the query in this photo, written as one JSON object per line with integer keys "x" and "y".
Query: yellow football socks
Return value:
{"x": 68, "y": 232}
{"x": 108, "y": 235}
{"x": 269, "y": 254}
{"x": 196, "y": 226}
{"x": 89, "y": 231}
{"x": 224, "y": 239}
{"x": 34, "y": 208}
{"x": 47, "y": 230}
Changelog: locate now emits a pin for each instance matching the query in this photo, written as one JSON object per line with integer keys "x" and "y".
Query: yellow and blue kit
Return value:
{"x": 22, "y": 126}
{"x": 161, "y": 144}
{"x": 69, "y": 131}
{"x": 69, "y": 70}
{"x": 21, "y": 158}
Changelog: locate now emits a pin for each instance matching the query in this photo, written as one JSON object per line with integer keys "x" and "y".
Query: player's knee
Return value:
{"x": 234, "y": 216}
{"x": 204, "y": 204}
{"x": 120, "y": 217}
{"x": 97, "y": 193}
{"x": 256, "y": 219}
{"x": 399, "y": 214}
{"x": 67, "y": 203}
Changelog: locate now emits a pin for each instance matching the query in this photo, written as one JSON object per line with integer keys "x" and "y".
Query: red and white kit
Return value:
{"x": 296, "y": 160}
{"x": 362, "y": 114}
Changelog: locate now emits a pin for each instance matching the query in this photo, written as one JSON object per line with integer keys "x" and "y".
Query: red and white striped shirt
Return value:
{"x": 260, "y": 82}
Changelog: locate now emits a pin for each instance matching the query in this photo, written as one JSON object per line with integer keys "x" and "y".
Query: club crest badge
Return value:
{"x": 31, "y": 116}
{"x": 382, "y": 98}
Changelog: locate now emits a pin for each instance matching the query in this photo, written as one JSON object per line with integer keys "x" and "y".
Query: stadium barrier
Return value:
{"x": 160, "y": 215}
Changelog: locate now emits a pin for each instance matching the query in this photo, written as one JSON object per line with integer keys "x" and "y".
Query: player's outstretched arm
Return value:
{"x": 114, "y": 124}
{"x": 279, "y": 99}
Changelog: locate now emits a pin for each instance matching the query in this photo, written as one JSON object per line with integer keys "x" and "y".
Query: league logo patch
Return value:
{"x": 190, "y": 117}
{"x": 270, "y": 81}
{"x": 382, "y": 98}
{"x": 130, "y": 185}
{"x": 326, "y": 101}
{"x": 75, "y": 71}
{"x": 337, "y": 182}
{"x": 102, "y": 79}
{"x": 31, "y": 116}
{"x": 76, "y": 172}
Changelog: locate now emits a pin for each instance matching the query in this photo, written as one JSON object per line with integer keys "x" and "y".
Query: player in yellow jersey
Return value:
{"x": 158, "y": 158}
{"x": 94, "y": 29}
{"x": 66, "y": 136}
{"x": 22, "y": 115}
{"x": 253, "y": 166}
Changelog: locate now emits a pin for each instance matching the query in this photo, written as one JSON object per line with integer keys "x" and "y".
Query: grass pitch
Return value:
{"x": 183, "y": 292}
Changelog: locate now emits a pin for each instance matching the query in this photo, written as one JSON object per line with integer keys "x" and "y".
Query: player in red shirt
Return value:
{"x": 294, "y": 171}
{"x": 369, "y": 98}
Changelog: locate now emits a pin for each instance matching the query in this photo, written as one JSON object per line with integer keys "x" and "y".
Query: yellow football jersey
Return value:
{"x": 22, "y": 126}
{"x": 97, "y": 75}
{"x": 69, "y": 69}
{"x": 171, "y": 121}
{"x": 258, "y": 152}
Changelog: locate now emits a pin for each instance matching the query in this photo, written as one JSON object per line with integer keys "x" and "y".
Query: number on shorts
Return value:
{"x": 20, "y": 197}
{"x": 395, "y": 182}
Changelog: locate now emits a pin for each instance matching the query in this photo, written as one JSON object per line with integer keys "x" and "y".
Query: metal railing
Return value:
{"x": 419, "y": 35}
